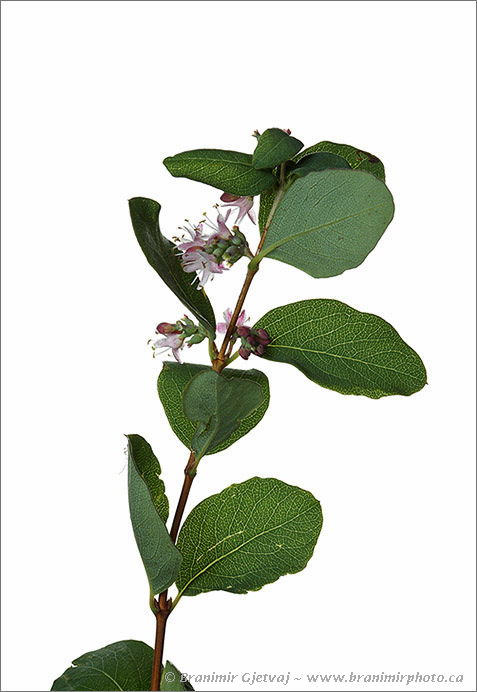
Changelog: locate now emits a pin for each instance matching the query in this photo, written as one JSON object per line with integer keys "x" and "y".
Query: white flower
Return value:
{"x": 173, "y": 341}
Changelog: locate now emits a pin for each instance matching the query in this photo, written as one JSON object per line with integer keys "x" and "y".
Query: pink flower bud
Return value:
{"x": 227, "y": 197}
{"x": 244, "y": 352}
{"x": 167, "y": 328}
{"x": 262, "y": 337}
{"x": 243, "y": 330}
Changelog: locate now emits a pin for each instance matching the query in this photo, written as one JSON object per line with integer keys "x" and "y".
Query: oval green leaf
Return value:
{"x": 357, "y": 158}
{"x": 313, "y": 162}
{"x": 274, "y": 147}
{"x": 161, "y": 254}
{"x": 147, "y": 503}
{"x": 231, "y": 171}
{"x": 218, "y": 405}
{"x": 247, "y": 536}
{"x": 329, "y": 222}
{"x": 318, "y": 162}
{"x": 125, "y": 665}
{"x": 171, "y": 384}
{"x": 343, "y": 349}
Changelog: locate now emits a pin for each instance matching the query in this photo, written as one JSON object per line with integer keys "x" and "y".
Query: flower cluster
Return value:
{"x": 253, "y": 341}
{"x": 211, "y": 254}
{"x": 176, "y": 334}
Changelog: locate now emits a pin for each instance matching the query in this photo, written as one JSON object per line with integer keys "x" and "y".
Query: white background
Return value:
{"x": 96, "y": 94}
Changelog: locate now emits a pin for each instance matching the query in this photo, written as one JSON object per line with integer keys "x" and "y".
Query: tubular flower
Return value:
{"x": 244, "y": 205}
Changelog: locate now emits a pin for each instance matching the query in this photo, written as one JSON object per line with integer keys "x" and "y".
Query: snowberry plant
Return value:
{"x": 322, "y": 210}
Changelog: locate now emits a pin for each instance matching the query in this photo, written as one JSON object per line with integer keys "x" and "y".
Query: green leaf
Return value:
{"x": 230, "y": 171}
{"x": 125, "y": 665}
{"x": 308, "y": 164}
{"x": 247, "y": 536}
{"x": 171, "y": 679}
{"x": 274, "y": 147}
{"x": 329, "y": 222}
{"x": 266, "y": 203}
{"x": 171, "y": 383}
{"x": 149, "y": 469}
{"x": 318, "y": 162}
{"x": 357, "y": 158}
{"x": 218, "y": 405}
{"x": 161, "y": 558}
{"x": 343, "y": 349}
{"x": 161, "y": 254}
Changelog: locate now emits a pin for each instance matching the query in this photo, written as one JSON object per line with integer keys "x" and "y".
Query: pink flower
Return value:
{"x": 197, "y": 235}
{"x": 173, "y": 341}
{"x": 196, "y": 260}
{"x": 223, "y": 326}
{"x": 197, "y": 253}
{"x": 221, "y": 232}
{"x": 244, "y": 205}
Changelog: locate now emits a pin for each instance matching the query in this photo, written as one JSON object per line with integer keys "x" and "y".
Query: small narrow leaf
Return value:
{"x": 171, "y": 384}
{"x": 247, "y": 536}
{"x": 357, "y": 158}
{"x": 218, "y": 405}
{"x": 161, "y": 254}
{"x": 230, "y": 171}
{"x": 171, "y": 679}
{"x": 343, "y": 349}
{"x": 329, "y": 222}
{"x": 318, "y": 162}
{"x": 125, "y": 665}
{"x": 161, "y": 558}
{"x": 274, "y": 147}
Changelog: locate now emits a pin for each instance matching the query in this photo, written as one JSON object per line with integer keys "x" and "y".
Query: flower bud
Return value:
{"x": 196, "y": 339}
{"x": 230, "y": 252}
{"x": 244, "y": 352}
{"x": 227, "y": 197}
{"x": 167, "y": 328}
{"x": 243, "y": 330}
{"x": 262, "y": 334}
